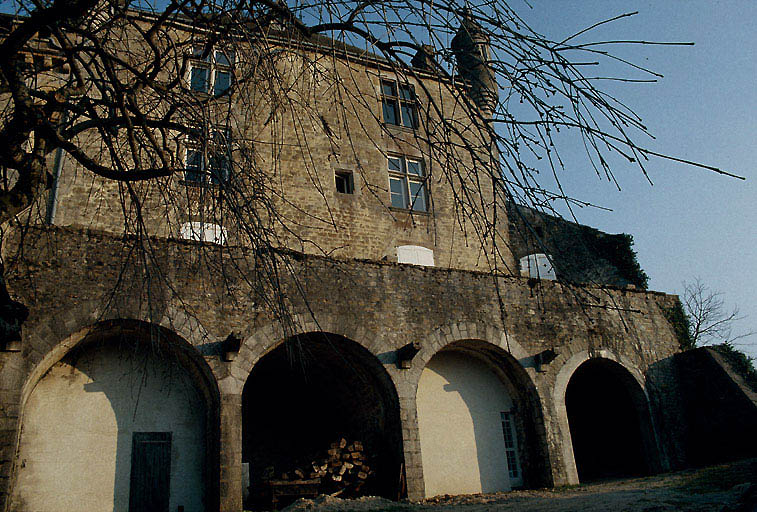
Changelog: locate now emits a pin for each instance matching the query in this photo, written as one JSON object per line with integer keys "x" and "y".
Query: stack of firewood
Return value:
{"x": 342, "y": 471}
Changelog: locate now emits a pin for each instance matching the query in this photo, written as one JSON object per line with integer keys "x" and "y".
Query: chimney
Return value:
{"x": 471, "y": 48}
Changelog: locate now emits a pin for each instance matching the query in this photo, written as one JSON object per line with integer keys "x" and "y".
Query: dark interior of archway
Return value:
{"x": 311, "y": 391}
{"x": 604, "y": 422}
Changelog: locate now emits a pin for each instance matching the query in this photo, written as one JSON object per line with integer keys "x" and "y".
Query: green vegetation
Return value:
{"x": 679, "y": 321}
{"x": 618, "y": 251}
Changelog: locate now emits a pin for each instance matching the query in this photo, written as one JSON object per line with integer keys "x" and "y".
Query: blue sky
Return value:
{"x": 691, "y": 222}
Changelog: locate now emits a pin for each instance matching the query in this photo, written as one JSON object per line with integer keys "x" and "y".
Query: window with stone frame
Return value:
{"x": 210, "y": 72}
{"x": 399, "y": 104}
{"x": 208, "y": 158}
{"x": 407, "y": 183}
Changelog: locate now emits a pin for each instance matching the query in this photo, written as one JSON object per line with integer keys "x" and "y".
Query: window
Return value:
{"x": 203, "y": 232}
{"x": 208, "y": 161}
{"x": 511, "y": 448}
{"x": 407, "y": 183}
{"x": 211, "y": 73}
{"x": 344, "y": 182}
{"x": 399, "y": 106}
{"x": 537, "y": 266}
{"x": 415, "y": 255}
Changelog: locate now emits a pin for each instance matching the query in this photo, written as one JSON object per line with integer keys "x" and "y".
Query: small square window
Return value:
{"x": 344, "y": 182}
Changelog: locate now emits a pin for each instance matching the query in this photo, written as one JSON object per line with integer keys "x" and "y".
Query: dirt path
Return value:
{"x": 713, "y": 489}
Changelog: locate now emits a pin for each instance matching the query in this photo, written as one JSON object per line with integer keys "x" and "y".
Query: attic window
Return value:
{"x": 344, "y": 182}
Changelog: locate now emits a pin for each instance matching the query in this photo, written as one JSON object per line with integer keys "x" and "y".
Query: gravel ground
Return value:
{"x": 724, "y": 488}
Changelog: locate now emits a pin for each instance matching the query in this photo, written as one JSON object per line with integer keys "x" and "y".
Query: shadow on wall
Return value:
{"x": 80, "y": 421}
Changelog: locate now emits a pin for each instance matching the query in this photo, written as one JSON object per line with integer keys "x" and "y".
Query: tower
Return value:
{"x": 471, "y": 48}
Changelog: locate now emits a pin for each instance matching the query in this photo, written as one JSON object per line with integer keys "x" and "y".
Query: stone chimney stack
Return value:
{"x": 471, "y": 48}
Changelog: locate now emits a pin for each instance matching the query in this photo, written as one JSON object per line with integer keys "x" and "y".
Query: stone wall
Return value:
{"x": 720, "y": 410}
{"x": 579, "y": 254}
{"x": 67, "y": 277}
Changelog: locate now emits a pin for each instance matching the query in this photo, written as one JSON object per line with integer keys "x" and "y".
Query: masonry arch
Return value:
{"x": 108, "y": 407}
{"x": 604, "y": 416}
{"x": 310, "y": 391}
{"x": 480, "y": 420}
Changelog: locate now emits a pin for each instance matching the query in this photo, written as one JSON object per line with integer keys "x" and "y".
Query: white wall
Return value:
{"x": 75, "y": 451}
{"x": 459, "y": 403}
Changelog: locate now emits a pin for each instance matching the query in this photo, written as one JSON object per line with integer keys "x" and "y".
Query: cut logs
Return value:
{"x": 342, "y": 469}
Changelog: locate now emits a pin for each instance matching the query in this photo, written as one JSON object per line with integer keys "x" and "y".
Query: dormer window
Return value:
{"x": 399, "y": 104}
{"x": 211, "y": 73}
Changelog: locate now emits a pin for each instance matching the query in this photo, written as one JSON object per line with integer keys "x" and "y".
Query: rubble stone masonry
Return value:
{"x": 67, "y": 278}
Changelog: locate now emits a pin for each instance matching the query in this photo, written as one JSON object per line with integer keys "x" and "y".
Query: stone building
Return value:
{"x": 177, "y": 381}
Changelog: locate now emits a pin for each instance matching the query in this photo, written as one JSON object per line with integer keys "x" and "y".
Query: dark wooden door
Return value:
{"x": 150, "y": 484}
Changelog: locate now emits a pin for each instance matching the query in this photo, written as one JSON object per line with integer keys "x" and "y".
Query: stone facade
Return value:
{"x": 328, "y": 284}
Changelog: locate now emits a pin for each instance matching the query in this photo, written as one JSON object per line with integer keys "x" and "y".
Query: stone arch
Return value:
{"x": 329, "y": 386}
{"x": 633, "y": 381}
{"x": 501, "y": 355}
{"x": 99, "y": 340}
{"x": 266, "y": 338}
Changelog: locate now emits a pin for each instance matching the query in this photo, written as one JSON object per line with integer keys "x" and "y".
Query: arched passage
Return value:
{"x": 122, "y": 421}
{"x": 309, "y": 392}
{"x": 480, "y": 422}
{"x": 609, "y": 421}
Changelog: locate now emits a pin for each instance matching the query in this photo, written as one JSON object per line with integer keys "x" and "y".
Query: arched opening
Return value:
{"x": 122, "y": 422}
{"x": 609, "y": 421}
{"x": 305, "y": 395}
{"x": 480, "y": 423}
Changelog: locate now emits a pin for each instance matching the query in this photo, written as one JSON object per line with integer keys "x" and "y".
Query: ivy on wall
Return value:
{"x": 680, "y": 324}
{"x": 580, "y": 254}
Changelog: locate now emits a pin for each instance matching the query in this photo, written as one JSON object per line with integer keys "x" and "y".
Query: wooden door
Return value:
{"x": 150, "y": 484}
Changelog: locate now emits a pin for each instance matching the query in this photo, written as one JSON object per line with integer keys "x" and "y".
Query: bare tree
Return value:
{"x": 104, "y": 84}
{"x": 710, "y": 322}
